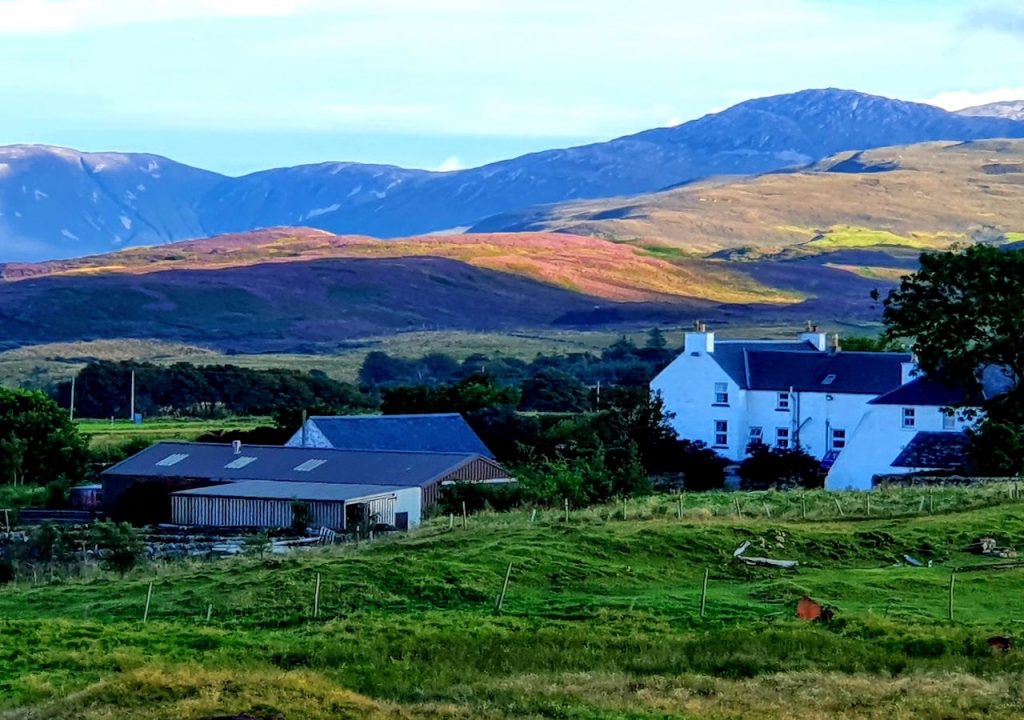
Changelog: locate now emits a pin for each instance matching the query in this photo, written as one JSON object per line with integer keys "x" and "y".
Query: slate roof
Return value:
{"x": 729, "y": 354}
{"x": 277, "y": 490}
{"x": 441, "y": 432}
{"x": 824, "y": 372}
{"x": 934, "y": 450}
{"x": 274, "y": 462}
{"x": 922, "y": 391}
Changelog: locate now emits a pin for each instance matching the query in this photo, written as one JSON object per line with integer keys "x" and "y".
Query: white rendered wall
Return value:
{"x": 687, "y": 387}
{"x": 878, "y": 440}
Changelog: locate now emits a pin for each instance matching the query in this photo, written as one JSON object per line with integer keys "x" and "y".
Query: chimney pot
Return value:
{"x": 236, "y": 447}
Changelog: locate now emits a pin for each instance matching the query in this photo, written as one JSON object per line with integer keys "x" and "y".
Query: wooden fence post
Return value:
{"x": 316, "y": 598}
{"x": 952, "y": 583}
{"x": 767, "y": 510}
{"x": 679, "y": 508}
{"x": 567, "y": 509}
{"x": 931, "y": 500}
{"x": 504, "y": 589}
{"x": 149, "y": 597}
{"x": 451, "y": 521}
{"x": 465, "y": 520}
{"x": 704, "y": 592}
{"x": 739, "y": 513}
{"x": 624, "y": 501}
{"x": 209, "y": 613}
{"x": 803, "y": 506}
{"x": 533, "y": 515}
{"x": 839, "y": 506}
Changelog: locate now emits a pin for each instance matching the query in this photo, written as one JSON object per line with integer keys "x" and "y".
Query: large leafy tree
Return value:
{"x": 963, "y": 311}
{"x": 38, "y": 442}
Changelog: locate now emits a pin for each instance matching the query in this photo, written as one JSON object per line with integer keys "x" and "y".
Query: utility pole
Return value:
{"x": 71, "y": 405}
{"x": 131, "y": 415}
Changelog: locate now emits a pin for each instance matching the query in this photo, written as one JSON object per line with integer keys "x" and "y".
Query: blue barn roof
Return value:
{"x": 440, "y": 432}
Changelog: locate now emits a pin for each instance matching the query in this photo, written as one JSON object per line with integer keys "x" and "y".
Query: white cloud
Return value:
{"x": 452, "y": 163}
{"x": 43, "y": 17}
{"x": 960, "y": 99}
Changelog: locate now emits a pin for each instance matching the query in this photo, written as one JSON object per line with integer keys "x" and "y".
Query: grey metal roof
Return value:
{"x": 934, "y": 450}
{"x": 864, "y": 373}
{"x": 273, "y": 462}
{"x": 277, "y": 490}
{"x": 729, "y": 354}
{"x": 439, "y": 432}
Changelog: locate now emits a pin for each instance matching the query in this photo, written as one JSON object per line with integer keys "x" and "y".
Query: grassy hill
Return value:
{"x": 601, "y": 620}
{"x": 915, "y": 197}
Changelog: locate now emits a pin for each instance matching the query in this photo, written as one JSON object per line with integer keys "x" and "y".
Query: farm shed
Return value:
{"x": 139, "y": 489}
{"x": 268, "y": 504}
{"x": 428, "y": 432}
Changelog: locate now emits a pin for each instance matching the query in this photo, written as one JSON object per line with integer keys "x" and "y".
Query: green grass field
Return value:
{"x": 601, "y": 620}
{"x": 104, "y": 433}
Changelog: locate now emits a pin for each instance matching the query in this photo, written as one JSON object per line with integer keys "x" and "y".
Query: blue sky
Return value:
{"x": 240, "y": 85}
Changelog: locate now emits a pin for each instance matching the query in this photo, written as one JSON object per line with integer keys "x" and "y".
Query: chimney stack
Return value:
{"x": 236, "y": 447}
{"x": 835, "y": 343}
{"x": 700, "y": 340}
{"x": 814, "y": 337}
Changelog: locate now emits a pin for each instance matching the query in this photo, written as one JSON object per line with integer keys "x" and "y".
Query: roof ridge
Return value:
{"x": 228, "y": 446}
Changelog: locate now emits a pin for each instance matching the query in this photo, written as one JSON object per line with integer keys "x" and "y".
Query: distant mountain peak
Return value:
{"x": 1007, "y": 109}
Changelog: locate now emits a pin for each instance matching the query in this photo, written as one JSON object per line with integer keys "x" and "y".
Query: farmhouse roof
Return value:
{"x": 730, "y": 354}
{"x": 439, "y": 432}
{"x": 824, "y": 372}
{"x": 220, "y": 463}
{"x": 934, "y": 450}
{"x": 922, "y": 391}
{"x": 277, "y": 490}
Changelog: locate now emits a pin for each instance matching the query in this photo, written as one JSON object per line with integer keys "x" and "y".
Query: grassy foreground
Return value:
{"x": 601, "y": 620}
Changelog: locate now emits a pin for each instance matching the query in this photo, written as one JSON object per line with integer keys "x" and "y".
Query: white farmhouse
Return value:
{"x": 729, "y": 393}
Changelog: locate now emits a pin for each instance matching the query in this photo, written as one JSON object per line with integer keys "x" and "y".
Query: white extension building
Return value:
{"x": 911, "y": 430}
{"x": 730, "y": 393}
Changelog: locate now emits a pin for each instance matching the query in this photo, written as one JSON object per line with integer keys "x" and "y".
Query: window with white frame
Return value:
{"x": 756, "y": 434}
{"x": 721, "y": 433}
{"x": 782, "y": 401}
{"x": 909, "y": 417}
{"x": 721, "y": 393}
{"x": 948, "y": 421}
{"x": 782, "y": 437}
{"x": 838, "y": 438}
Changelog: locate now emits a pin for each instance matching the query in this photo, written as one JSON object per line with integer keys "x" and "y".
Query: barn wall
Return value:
{"x": 251, "y": 512}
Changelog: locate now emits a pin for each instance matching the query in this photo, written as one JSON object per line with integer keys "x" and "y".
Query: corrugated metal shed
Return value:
{"x": 289, "y": 491}
{"x": 269, "y": 504}
{"x": 436, "y": 432}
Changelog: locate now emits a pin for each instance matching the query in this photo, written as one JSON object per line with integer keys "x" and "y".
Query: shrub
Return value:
{"x": 257, "y": 544}
{"x": 120, "y": 545}
{"x": 780, "y": 468}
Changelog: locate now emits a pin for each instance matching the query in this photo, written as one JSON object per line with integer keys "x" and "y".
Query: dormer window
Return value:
{"x": 782, "y": 401}
{"x": 721, "y": 393}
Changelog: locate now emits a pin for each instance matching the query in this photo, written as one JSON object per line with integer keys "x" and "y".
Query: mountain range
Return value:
{"x": 774, "y": 249}
{"x": 57, "y": 203}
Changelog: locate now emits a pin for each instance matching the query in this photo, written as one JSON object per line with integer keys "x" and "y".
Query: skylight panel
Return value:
{"x": 829, "y": 379}
{"x": 239, "y": 463}
{"x": 172, "y": 459}
{"x": 309, "y": 465}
